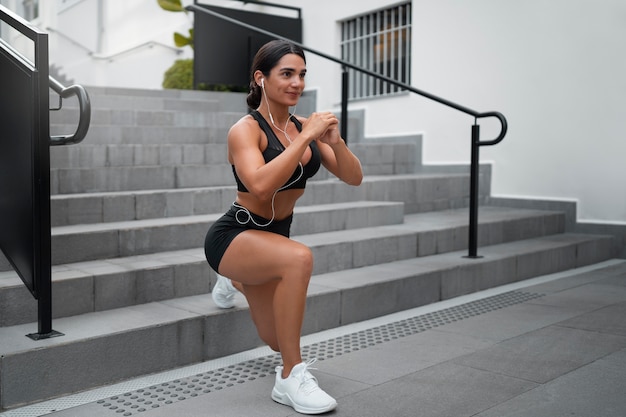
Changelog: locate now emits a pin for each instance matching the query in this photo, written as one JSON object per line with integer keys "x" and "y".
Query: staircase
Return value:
{"x": 130, "y": 209}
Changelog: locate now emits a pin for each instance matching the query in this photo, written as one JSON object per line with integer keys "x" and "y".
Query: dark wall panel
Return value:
{"x": 223, "y": 51}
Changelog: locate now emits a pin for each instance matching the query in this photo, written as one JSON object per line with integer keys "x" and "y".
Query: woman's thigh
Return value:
{"x": 256, "y": 257}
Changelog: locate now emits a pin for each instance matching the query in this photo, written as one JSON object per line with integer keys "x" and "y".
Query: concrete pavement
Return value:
{"x": 553, "y": 346}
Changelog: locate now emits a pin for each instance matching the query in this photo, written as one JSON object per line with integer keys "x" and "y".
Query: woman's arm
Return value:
{"x": 338, "y": 159}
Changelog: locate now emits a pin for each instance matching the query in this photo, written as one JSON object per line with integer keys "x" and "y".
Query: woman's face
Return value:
{"x": 286, "y": 81}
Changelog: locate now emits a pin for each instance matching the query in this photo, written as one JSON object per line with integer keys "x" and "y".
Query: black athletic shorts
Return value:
{"x": 233, "y": 222}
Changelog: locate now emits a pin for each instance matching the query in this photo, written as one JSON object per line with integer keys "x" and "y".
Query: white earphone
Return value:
{"x": 262, "y": 82}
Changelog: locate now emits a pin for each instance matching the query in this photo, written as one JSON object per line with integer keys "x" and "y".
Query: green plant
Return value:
{"x": 179, "y": 75}
{"x": 180, "y": 40}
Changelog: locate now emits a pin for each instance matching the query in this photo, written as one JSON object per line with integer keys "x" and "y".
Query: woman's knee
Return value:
{"x": 301, "y": 259}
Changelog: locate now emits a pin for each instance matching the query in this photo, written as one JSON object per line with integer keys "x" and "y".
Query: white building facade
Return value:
{"x": 555, "y": 68}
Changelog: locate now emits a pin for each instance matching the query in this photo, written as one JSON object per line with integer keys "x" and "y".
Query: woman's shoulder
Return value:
{"x": 247, "y": 122}
{"x": 245, "y": 129}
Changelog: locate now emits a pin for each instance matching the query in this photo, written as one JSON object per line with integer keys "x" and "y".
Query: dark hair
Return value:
{"x": 265, "y": 59}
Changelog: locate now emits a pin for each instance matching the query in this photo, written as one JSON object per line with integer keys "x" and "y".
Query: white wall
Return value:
{"x": 554, "y": 68}
{"x": 128, "y": 44}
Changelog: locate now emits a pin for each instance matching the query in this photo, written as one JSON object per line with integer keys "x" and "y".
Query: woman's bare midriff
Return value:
{"x": 284, "y": 203}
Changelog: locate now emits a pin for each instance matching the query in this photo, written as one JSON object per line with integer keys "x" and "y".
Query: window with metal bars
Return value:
{"x": 380, "y": 42}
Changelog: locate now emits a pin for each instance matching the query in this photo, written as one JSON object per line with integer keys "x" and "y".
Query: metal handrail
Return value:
{"x": 64, "y": 92}
{"x": 84, "y": 105}
{"x": 475, "y": 144}
{"x": 281, "y": 6}
{"x": 96, "y": 55}
{"x": 71, "y": 40}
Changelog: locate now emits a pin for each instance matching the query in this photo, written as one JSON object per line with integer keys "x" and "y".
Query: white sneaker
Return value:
{"x": 223, "y": 292}
{"x": 301, "y": 392}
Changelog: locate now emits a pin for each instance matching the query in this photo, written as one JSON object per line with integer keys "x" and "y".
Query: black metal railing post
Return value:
{"x": 473, "y": 205}
{"x": 345, "y": 79}
{"x": 43, "y": 242}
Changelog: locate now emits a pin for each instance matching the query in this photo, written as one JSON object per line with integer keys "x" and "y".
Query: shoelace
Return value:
{"x": 308, "y": 383}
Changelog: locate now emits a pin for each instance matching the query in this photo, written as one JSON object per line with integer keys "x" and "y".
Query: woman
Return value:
{"x": 273, "y": 153}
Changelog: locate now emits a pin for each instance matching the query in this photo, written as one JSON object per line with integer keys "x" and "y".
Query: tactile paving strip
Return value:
{"x": 159, "y": 395}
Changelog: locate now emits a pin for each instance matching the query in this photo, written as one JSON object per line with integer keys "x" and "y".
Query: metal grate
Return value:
{"x": 159, "y": 395}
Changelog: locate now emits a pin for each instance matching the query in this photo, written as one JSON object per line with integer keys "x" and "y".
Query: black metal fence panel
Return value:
{"x": 17, "y": 139}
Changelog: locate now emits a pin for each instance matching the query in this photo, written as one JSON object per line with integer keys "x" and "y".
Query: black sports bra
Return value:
{"x": 275, "y": 148}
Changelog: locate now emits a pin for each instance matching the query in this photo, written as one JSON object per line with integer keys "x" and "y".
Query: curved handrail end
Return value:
{"x": 84, "y": 120}
{"x": 503, "y": 127}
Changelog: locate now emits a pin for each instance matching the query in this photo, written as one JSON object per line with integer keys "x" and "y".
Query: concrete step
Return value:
{"x": 129, "y": 116}
{"x": 124, "y": 178}
{"x": 90, "y": 242}
{"x": 105, "y": 347}
{"x": 418, "y": 192}
{"x": 91, "y": 156}
{"x": 102, "y": 284}
{"x": 88, "y": 208}
{"x": 131, "y": 99}
{"x": 150, "y": 135}
{"x": 186, "y": 114}
{"x": 81, "y": 243}
{"x": 380, "y": 159}
{"x": 88, "y": 168}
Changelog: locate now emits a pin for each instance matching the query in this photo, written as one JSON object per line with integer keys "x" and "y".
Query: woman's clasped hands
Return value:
{"x": 323, "y": 126}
